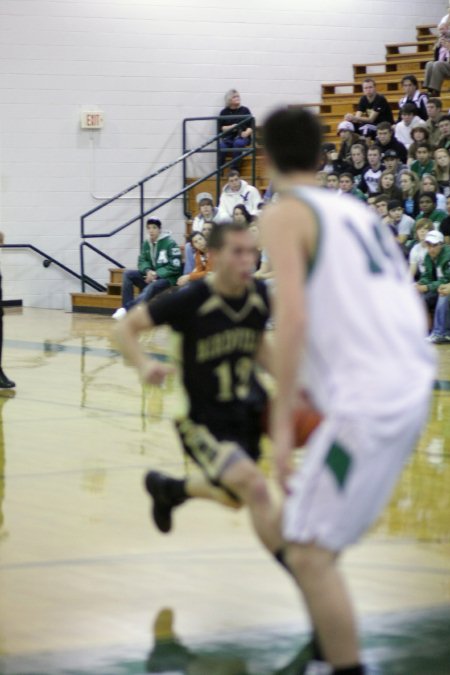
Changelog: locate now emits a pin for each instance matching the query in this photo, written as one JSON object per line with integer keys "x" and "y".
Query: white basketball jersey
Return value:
{"x": 365, "y": 346}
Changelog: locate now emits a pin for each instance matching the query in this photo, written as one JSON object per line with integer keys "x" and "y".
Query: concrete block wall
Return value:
{"x": 147, "y": 64}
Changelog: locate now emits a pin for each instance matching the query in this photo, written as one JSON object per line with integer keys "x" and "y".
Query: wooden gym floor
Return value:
{"x": 88, "y": 586}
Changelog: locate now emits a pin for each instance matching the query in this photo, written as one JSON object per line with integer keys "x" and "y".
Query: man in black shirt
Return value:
{"x": 220, "y": 322}
{"x": 238, "y": 138}
{"x": 372, "y": 109}
{"x": 386, "y": 141}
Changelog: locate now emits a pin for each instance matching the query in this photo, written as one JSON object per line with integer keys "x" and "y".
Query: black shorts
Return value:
{"x": 215, "y": 450}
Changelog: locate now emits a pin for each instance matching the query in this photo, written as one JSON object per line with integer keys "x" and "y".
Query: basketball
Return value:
{"x": 305, "y": 419}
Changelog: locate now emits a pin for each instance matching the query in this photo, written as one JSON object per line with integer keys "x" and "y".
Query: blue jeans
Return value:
{"x": 189, "y": 259}
{"x": 441, "y": 304}
{"x": 135, "y": 278}
{"x": 228, "y": 143}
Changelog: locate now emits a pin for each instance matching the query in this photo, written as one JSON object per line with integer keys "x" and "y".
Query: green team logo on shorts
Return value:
{"x": 339, "y": 461}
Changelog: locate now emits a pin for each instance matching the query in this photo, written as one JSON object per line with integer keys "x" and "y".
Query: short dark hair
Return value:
{"x": 384, "y": 126}
{"x": 443, "y": 118}
{"x": 430, "y": 195}
{"x": 395, "y": 204}
{"x": 381, "y": 199}
{"x": 218, "y": 234}
{"x": 347, "y": 174}
{"x": 333, "y": 173}
{"x": 423, "y": 144}
{"x": 153, "y": 221}
{"x": 293, "y": 139}
{"x": 234, "y": 172}
{"x": 410, "y": 78}
{"x": 408, "y": 109}
{"x": 195, "y": 233}
{"x": 374, "y": 147}
{"x": 370, "y": 79}
{"x": 436, "y": 101}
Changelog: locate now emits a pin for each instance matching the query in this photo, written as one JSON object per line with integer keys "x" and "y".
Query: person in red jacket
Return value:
{"x": 202, "y": 261}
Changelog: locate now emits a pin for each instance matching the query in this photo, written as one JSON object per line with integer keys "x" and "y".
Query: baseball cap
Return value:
{"x": 390, "y": 153}
{"x": 204, "y": 195}
{"x": 434, "y": 237}
{"x": 346, "y": 126}
{"x": 328, "y": 147}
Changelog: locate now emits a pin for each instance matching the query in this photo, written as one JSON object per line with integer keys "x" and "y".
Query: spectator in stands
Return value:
{"x": 392, "y": 163}
{"x": 207, "y": 211}
{"x": 442, "y": 170}
{"x": 445, "y": 225}
{"x": 371, "y": 176}
{"x": 429, "y": 184}
{"x": 358, "y": 162}
{"x": 346, "y": 132}
{"x": 437, "y": 273}
{"x": 237, "y": 191}
{"x": 423, "y": 164}
{"x": 434, "y": 110}
{"x": 236, "y": 138}
{"x": 202, "y": 262}
{"x": 419, "y": 250}
{"x": 159, "y": 266}
{"x": 346, "y": 186}
{"x": 427, "y": 205}
{"x": 444, "y": 128}
{"x": 401, "y": 224}
{"x": 385, "y": 140}
{"x": 409, "y": 121}
{"x": 372, "y": 109}
{"x": 329, "y": 161}
{"x": 387, "y": 185}
{"x": 414, "y": 96}
{"x": 333, "y": 181}
{"x": 419, "y": 135}
{"x": 381, "y": 206}
{"x": 241, "y": 215}
{"x": 409, "y": 186}
{"x": 438, "y": 70}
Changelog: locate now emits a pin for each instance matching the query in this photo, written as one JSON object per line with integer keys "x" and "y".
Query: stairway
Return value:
{"x": 337, "y": 99}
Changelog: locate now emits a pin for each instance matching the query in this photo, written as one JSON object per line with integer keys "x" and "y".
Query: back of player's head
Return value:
{"x": 293, "y": 139}
{"x": 218, "y": 236}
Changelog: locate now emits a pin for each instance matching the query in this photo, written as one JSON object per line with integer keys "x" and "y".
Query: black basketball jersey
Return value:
{"x": 219, "y": 339}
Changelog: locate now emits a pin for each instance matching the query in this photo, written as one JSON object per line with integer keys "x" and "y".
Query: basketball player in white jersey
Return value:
{"x": 351, "y": 330}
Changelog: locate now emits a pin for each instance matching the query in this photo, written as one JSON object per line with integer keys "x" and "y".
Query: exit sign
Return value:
{"x": 92, "y": 120}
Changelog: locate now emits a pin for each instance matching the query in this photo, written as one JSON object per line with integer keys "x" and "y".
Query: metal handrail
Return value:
{"x": 186, "y": 188}
{"x": 81, "y": 277}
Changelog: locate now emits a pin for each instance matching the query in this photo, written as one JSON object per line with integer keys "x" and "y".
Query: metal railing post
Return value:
{"x": 83, "y": 284}
{"x": 218, "y": 170}
{"x": 142, "y": 208}
{"x": 254, "y": 154}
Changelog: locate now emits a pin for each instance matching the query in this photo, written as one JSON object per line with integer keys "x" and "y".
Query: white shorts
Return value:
{"x": 350, "y": 469}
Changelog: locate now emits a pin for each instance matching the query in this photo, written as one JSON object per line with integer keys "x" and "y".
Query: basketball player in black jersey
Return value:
{"x": 221, "y": 322}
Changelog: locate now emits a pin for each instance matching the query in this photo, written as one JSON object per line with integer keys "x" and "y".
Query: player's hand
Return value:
{"x": 183, "y": 280}
{"x": 150, "y": 276}
{"x": 154, "y": 372}
{"x": 349, "y": 117}
{"x": 444, "y": 289}
{"x": 421, "y": 288}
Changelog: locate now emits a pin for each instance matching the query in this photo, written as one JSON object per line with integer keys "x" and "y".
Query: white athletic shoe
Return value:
{"x": 436, "y": 339}
{"x": 119, "y": 313}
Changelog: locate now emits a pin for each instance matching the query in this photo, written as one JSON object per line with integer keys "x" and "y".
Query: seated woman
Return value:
{"x": 430, "y": 184}
{"x": 241, "y": 215}
{"x": 387, "y": 185}
{"x": 201, "y": 223}
{"x": 202, "y": 262}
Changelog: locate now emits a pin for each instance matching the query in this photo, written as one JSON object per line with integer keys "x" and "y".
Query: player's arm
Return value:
{"x": 127, "y": 335}
{"x": 265, "y": 354}
{"x": 289, "y": 254}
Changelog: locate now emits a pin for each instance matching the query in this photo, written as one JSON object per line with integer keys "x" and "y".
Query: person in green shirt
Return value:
{"x": 159, "y": 266}
{"x": 437, "y": 274}
{"x": 423, "y": 164}
{"x": 427, "y": 205}
{"x": 347, "y": 186}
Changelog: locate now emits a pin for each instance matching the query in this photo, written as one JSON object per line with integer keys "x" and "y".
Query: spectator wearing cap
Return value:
{"x": 419, "y": 250}
{"x": 419, "y": 135}
{"x": 427, "y": 205}
{"x": 386, "y": 141}
{"x": 402, "y": 225}
{"x": 414, "y": 96}
{"x": 392, "y": 163}
{"x": 437, "y": 274}
{"x": 438, "y": 70}
{"x": 434, "y": 110}
{"x": 444, "y": 129}
{"x": 373, "y": 108}
{"x": 330, "y": 161}
{"x": 207, "y": 211}
{"x": 358, "y": 162}
{"x": 409, "y": 120}
{"x": 234, "y": 139}
{"x": 346, "y": 132}
{"x": 423, "y": 164}
{"x": 371, "y": 176}
{"x": 237, "y": 191}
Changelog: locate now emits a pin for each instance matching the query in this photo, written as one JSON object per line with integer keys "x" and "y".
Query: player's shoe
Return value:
{"x": 158, "y": 487}
{"x": 436, "y": 339}
{"x": 5, "y": 382}
{"x": 119, "y": 313}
